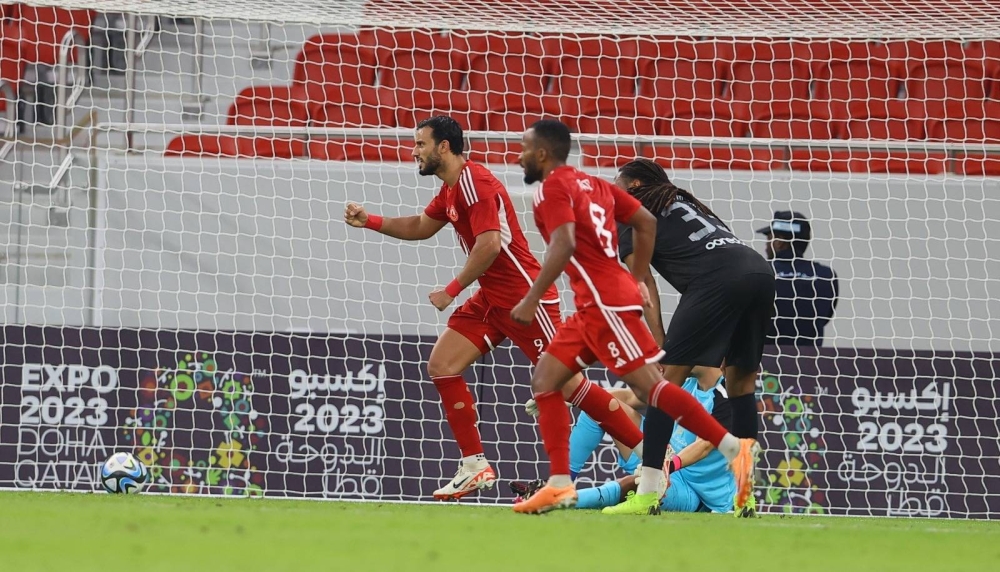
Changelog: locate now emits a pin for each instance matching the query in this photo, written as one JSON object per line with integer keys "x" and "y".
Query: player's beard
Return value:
{"x": 431, "y": 165}
{"x": 532, "y": 174}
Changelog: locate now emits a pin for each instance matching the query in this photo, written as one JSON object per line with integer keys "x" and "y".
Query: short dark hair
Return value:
{"x": 556, "y": 137}
{"x": 444, "y": 128}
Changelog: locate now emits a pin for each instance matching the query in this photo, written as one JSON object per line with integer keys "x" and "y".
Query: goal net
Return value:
{"x": 176, "y": 279}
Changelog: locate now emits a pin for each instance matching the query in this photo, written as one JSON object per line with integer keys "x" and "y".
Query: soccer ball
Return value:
{"x": 122, "y": 473}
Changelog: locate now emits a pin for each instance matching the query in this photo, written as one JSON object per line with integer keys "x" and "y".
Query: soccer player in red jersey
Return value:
{"x": 478, "y": 207}
{"x": 576, "y": 214}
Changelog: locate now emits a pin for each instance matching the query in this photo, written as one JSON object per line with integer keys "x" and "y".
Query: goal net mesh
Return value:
{"x": 176, "y": 279}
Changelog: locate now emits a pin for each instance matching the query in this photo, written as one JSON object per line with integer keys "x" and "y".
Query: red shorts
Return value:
{"x": 486, "y": 326}
{"x": 620, "y": 340}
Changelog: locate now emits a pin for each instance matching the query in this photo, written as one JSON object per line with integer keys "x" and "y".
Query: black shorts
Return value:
{"x": 720, "y": 320}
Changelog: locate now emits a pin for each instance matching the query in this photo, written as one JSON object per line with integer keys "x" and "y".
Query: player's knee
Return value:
{"x": 740, "y": 381}
{"x": 441, "y": 368}
{"x": 641, "y": 393}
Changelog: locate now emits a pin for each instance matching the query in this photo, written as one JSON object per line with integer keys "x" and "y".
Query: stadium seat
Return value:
{"x": 696, "y": 122}
{"x": 354, "y": 106}
{"x": 683, "y": 69}
{"x": 974, "y": 165}
{"x": 328, "y": 63}
{"x": 496, "y": 152}
{"x": 464, "y": 106}
{"x": 589, "y": 70}
{"x": 940, "y": 72}
{"x": 32, "y": 34}
{"x": 846, "y": 71}
{"x": 269, "y": 105}
{"x": 687, "y": 157}
{"x": 800, "y": 120}
{"x": 890, "y": 120}
{"x": 625, "y": 117}
{"x": 971, "y": 122}
{"x": 367, "y": 107}
{"x": 202, "y": 145}
{"x": 424, "y": 70}
{"x": 701, "y": 118}
{"x": 386, "y": 150}
{"x": 507, "y": 72}
{"x": 803, "y": 120}
{"x": 766, "y": 75}
{"x": 43, "y": 27}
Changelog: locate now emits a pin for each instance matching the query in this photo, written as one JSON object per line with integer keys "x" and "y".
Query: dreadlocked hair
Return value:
{"x": 655, "y": 191}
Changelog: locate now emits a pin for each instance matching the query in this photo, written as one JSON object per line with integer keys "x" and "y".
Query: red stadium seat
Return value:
{"x": 941, "y": 72}
{"x": 847, "y": 71}
{"x": 977, "y": 165}
{"x": 971, "y": 120}
{"x": 707, "y": 119}
{"x": 618, "y": 117}
{"x": 330, "y": 63}
{"x": 701, "y": 118}
{"x": 202, "y": 145}
{"x": 878, "y": 120}
{"x": 269, "y": 105}
{"x": 497, "y": 152}
{"x": 43, "y": 27}
{"x": 464, "y": 106}
{"x": 421, "y": 68}
{"x": 364, "y": 106}
{"x": 801, "y": 120}
{"x": 767, "y": 74}
{"x": 683, "y": 69}
{"x": 507, "y": 72}
{"x": 589, "y": 70}
{"x": 686, "y": 157}
{"x": 387, "y": 150}
{"x": 355, "y": 106}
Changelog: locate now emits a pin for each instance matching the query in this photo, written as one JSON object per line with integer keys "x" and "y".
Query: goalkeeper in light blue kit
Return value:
{"x": 698, "y": 479}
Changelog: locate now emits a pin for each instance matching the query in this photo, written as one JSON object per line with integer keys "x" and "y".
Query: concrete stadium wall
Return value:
{"x": 204, "y": 243}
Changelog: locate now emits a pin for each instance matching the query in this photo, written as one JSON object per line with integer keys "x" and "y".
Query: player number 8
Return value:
{"x": 597, "y": 214}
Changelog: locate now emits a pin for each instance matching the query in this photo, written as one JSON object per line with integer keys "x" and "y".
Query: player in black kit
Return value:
{"x": 726, "y": 307}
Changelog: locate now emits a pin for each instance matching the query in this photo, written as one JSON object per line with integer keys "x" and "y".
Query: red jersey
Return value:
{"x": 593, "y": 204}
{"x": 479, "y": 203}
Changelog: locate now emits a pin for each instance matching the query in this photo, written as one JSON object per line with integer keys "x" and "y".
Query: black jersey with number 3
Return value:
{"x": 690, "y": 244}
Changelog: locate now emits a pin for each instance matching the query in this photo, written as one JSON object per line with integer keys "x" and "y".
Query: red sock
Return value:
{"x": 553, "y": 422}
{"x": 460, "y": 410}
{"x": 595, "y": 401}
{"x": 686, "y": 411}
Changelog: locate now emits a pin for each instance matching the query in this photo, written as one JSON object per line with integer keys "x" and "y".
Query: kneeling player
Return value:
{"x": 698, "y": 479}
{"x": 697, "y": 476}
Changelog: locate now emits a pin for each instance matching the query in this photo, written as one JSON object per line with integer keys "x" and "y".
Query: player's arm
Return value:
{"x": 481, "y": 257}
{"x": 651, "y": 311}
{"x": 562, "y": 245}
{"x": 631, "y": 212}
{"x": 691, "y": 454}
{"x": 722, "y": 412}
{"x": 416, "y": 227}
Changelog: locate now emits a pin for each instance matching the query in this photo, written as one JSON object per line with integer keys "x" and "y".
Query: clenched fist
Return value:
{"x": 355, "y": 215}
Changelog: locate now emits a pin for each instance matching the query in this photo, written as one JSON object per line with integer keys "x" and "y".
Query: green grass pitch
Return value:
{"x": 76, "y": 532}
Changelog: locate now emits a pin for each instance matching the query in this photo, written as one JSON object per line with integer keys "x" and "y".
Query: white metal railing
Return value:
{"x": 66, "y": 99}
{"x": 9, "y": 131}
{"x": 712, "y": 142}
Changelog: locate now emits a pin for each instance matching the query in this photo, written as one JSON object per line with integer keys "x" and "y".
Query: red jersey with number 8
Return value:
{"x": 593, "y": 205}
